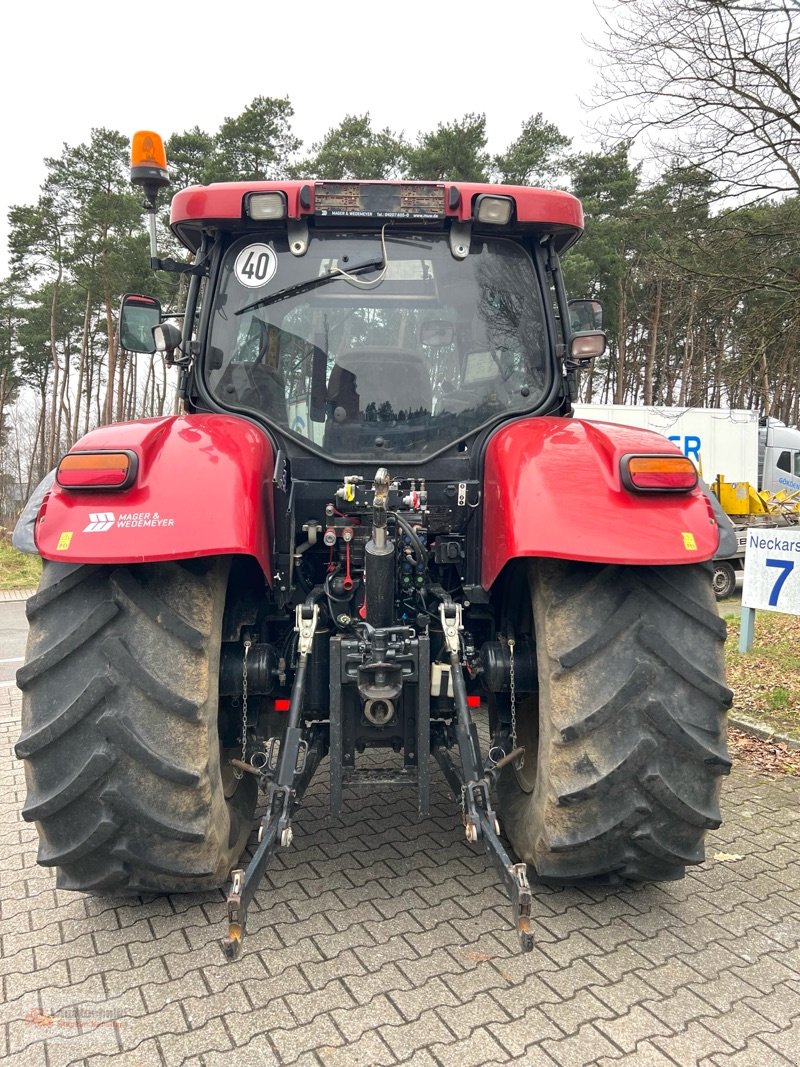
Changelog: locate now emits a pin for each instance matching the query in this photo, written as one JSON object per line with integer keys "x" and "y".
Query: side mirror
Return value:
{"x": 138, "y": 315}
{"x": 585, "y": 315}
{"x": 586, "y": 346}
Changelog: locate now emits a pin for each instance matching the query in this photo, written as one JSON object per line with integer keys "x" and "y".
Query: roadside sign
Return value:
{"x": 772, "y": 570}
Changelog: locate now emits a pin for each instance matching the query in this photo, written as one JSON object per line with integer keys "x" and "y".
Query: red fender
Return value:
{"x": 552, "y": 487}
{"x": 203, "y": 487}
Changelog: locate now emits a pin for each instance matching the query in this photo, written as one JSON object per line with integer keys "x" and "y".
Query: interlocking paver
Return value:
{"x": 637, "y": 1024}
{"x": 569, "y": 1015}
{"x": 739, "y": 1025}
{"x": 379, "y": 940}
{"x": 722, "y": 994}
{"x": 425, "y": 1032}
{"x": 693, "y": 1044}
{"x": 580, "y": 974}
{"x": 645, "y": 1055}
{"x": 411, "y": 1003}
{"x": 678, "y": 1009}
{"x": 210, "y": 1037}
{"x": 307, "y": 1006}
{"x": 581, "y": 1048}
{"x": 480, "y": 1048}
{"x": 781, "y": 1007}
{"x": 517, "y": 1035}
{"x": 145, "y": 1054}
{"x": 356, "y": 1020}
{"x": 765, "y": 973}
{"x": 370, "y": 1050}
{"x": 292, "y": 1043}
{"x": 784, "y": 1043}
{"x": 757, "y": 1054}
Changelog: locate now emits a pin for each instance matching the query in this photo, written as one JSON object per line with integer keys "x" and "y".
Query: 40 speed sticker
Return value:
{"x": 255, "y": 266}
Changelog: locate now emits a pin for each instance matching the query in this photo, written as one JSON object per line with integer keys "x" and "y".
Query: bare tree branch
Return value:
{"x": 713, "y": 80}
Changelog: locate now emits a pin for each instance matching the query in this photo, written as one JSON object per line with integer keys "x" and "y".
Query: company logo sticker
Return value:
{"x": 689, "y": 542}
{"x": 99, "y": 521}
{"x": 138, "y": 519}
{"x": 63, "y": 541}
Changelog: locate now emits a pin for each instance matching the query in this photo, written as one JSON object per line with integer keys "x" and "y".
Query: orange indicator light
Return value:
{"x": 96, "y": 470}
{"x": 676, "y": 473}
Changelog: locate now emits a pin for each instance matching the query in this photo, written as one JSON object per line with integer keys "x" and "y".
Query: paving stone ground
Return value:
{"x": 380, "y": 940}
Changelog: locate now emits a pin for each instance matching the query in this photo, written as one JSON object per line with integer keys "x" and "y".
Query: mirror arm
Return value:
{"x": 174, "y": 266}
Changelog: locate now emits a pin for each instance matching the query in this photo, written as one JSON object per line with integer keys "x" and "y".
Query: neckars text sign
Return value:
{"x": 772, "y": 571}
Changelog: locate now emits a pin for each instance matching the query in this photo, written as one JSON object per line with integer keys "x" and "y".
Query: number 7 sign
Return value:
{"x": 771, "y": 577}
{"x": 785, "y": 566}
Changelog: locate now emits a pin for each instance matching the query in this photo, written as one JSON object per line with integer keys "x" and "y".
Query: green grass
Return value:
{"x": 18, "y": 570}
{"x": 766, "y": 680}
{"x": 778, "y": 698}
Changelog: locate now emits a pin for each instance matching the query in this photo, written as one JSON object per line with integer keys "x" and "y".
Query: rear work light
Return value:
{"x": 494, "y": 209}
{"x": 265, "y": 206}
{"x": 97, "y": 470}
{"x": 658, "y": 473}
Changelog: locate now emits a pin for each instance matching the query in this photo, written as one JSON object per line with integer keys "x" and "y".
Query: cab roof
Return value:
{"x": 223, "y": 204}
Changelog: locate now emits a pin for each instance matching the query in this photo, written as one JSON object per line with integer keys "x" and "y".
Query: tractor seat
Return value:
{"x": 365, "y": 378}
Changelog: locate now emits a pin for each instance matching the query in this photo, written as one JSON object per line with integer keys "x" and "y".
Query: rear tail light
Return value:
{"x": 658, "y": 473}
{"x": 281, "y": 704}
{"x": 97, "y": 470}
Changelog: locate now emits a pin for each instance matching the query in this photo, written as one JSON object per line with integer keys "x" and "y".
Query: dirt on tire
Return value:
{"x": 627, "y": 746}
{"x": 119, "y": 728}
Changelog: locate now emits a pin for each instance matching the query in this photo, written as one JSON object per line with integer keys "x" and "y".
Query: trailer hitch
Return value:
{"x": 513, "y": 875}
{"x": 473, "y": 784}
{"x": 275, "y": 832}
{"x": 293, "y": 767}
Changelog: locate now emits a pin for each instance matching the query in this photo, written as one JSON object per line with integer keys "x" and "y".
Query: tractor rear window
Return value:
{"x": 364, "y": 346}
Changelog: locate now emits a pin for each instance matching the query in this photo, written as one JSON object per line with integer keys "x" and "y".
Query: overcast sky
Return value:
{"x": 68, "y": 67}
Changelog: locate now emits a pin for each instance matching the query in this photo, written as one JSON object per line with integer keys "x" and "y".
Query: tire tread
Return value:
{"x": 120, "y": 746}
{"x": 631, "y": 727}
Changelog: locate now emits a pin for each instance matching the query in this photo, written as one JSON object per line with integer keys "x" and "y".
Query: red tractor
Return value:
{"x": 374, "y": 515}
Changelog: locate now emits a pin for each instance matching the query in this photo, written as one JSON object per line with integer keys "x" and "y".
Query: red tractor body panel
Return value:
{"x": 203, "y": 487}
{"x": 558, "y": 213}
{"x": 552, "y": 487}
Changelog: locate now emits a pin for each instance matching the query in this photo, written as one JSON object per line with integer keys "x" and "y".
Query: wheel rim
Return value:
{"x": 722, "y": 581}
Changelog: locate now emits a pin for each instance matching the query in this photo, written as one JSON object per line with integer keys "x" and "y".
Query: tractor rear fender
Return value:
{"x": 203, "y": 487}
{"x": 552, "y": 487}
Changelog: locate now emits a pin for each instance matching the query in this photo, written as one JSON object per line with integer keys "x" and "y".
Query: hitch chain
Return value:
{"x": 520, "y": 763}
{"x": 247, "y": 644}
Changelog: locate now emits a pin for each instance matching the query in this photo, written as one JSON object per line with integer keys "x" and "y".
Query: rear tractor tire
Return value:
{"x": 625, "y": 750}
{"x": 122, "y": 756}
